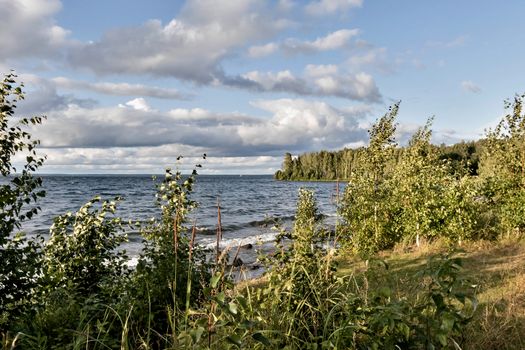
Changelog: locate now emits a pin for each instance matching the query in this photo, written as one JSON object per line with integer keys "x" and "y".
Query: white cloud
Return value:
{"x": 29, "y": 30}
{"x": 318, "y": 80}
{"x": 151, "y": 160}
{"x": 313, "y": 70}
{"x": 138, "y": 104}
{"x": 290, "y": 125}
{"x": 280, "y": 81}
{"x": 469, "y": 86}
{"x": 311, "y": 124}
{"x": 190, "y": 47}
{"x": 120, "y": 89}
{"x": 262, "y": 50}
{"x": 323, "y": 7}
{"x": 332, "y": 41}
{"x": 42, "y": 97}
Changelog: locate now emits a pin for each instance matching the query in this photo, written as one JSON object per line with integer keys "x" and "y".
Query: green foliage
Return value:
{"x": 82, "y": 251}
{"x": 19, "y": 257}
{"x": 503, "y": 167}
{"x": 462, "y": 157}
{"x": 300, "y": 276}
{"x": 368, "y": 209}
{"x": 172, "y": 271}
{"x": 408, "y": 196}
{"x": 433, "y": 318}
{"x": 420, "y": 180}
{"x": 447, "y": 304}
{"x": 435, "y": 201}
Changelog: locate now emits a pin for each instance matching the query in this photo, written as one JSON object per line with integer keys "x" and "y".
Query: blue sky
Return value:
{"x": 127, "y": 86}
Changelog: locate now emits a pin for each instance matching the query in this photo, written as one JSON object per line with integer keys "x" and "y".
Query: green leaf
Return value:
{"x": 442, "y": 338}
{"x": 234, "y": 339}
{"x": 196, "y": 334}
{"x": 261, "y": 339}
{"x": 232, "y": 307}
{"x": 214, "y": 281}
{"x": 220, "y": 297}
{"x": 242, "y": 301}
{"x": 447, "y": 322}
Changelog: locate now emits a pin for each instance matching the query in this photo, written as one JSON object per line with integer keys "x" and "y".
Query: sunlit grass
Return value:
{"x": 497, "y": 268}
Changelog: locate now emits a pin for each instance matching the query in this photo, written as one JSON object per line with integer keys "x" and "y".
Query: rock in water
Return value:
{"x": 237, "y": 262}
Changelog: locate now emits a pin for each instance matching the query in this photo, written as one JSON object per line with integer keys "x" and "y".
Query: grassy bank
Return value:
{"x": 497, "y": 269}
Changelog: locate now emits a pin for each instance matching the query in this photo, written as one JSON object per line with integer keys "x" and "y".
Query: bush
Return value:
{"x": 503, "y": 167}
{"x": 172, "y": 272}
{"x": 82, "y": 251}
{"x": 20, "y": 257}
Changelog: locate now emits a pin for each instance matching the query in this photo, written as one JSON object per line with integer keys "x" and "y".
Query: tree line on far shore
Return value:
{"x": 338, "y": 165}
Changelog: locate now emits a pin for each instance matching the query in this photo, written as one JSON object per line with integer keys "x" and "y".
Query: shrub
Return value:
{"x": 172, "y": 271}
{"x": 367, "y": 209}
{"x": 503, "y": 167}
{"x": 82, "y": 251}
{"x": 18, "y": 192}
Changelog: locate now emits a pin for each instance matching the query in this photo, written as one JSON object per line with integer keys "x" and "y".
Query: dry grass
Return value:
{"x": 497, "y": 268}
{"x": 500, "y": 320}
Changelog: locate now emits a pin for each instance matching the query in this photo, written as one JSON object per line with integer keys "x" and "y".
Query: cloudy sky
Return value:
{"x": 127, "y": 86}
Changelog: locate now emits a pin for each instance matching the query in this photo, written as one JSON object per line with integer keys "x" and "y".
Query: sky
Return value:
{"x": 127, "y": 86}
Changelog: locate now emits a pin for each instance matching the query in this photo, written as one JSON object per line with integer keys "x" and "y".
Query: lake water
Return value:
{"x": 248, "y": 205}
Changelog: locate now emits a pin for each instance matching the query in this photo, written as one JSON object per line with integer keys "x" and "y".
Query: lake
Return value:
{"x": 249, "y": 204}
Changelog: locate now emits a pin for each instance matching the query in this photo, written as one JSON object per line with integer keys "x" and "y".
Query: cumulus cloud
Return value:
{"x": 42, "y": 97}
{"x": 151, "y": 160}
{"x": 469, "y": 86}
{"x": 138, "y": 104}
{"x": 332, "y": 41}
{"x": 319, "y": 80}
{"x": 258, "y": 51}
{"x": 290, "y": 125}
{"x": 120, "y": 89}
{"x": 307, "y": 124}
{"x": 29, "y": 30}
{"x": 190, "y": 47}
{"x": 323, "y": 7}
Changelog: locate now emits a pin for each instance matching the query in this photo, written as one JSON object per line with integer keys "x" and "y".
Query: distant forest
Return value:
{"x": 463, "y": 158}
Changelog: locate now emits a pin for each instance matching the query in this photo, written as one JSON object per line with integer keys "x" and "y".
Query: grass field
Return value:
{"x": 498, "y": 270}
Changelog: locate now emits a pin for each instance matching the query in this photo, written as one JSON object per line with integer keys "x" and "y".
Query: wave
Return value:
{"x": 240, "y": 241}
{"x": 265, "y": 223}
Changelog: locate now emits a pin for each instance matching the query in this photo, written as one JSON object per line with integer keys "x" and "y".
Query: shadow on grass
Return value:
{"x": 497, "y": 268}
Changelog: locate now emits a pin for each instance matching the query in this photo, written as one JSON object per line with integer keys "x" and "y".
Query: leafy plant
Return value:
{"x": 367, "y": 209}
{"x": 503, "y": 166}
{"x": 82, "y": 252}
{"x": 18, "y": 192}
{"x": 172, "y": 271}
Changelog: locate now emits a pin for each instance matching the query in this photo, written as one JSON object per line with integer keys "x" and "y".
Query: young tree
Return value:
{"x": 19, "y": 190}
{"x": 367, "y": 208}
{"x": 503, "y": 167}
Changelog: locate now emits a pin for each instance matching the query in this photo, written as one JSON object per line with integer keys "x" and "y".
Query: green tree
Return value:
{"x": 367, "y": 209}
{"x": 418, "y": 186}
{"x": 19, "y": 190}
{"x": 503, "y": 167}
